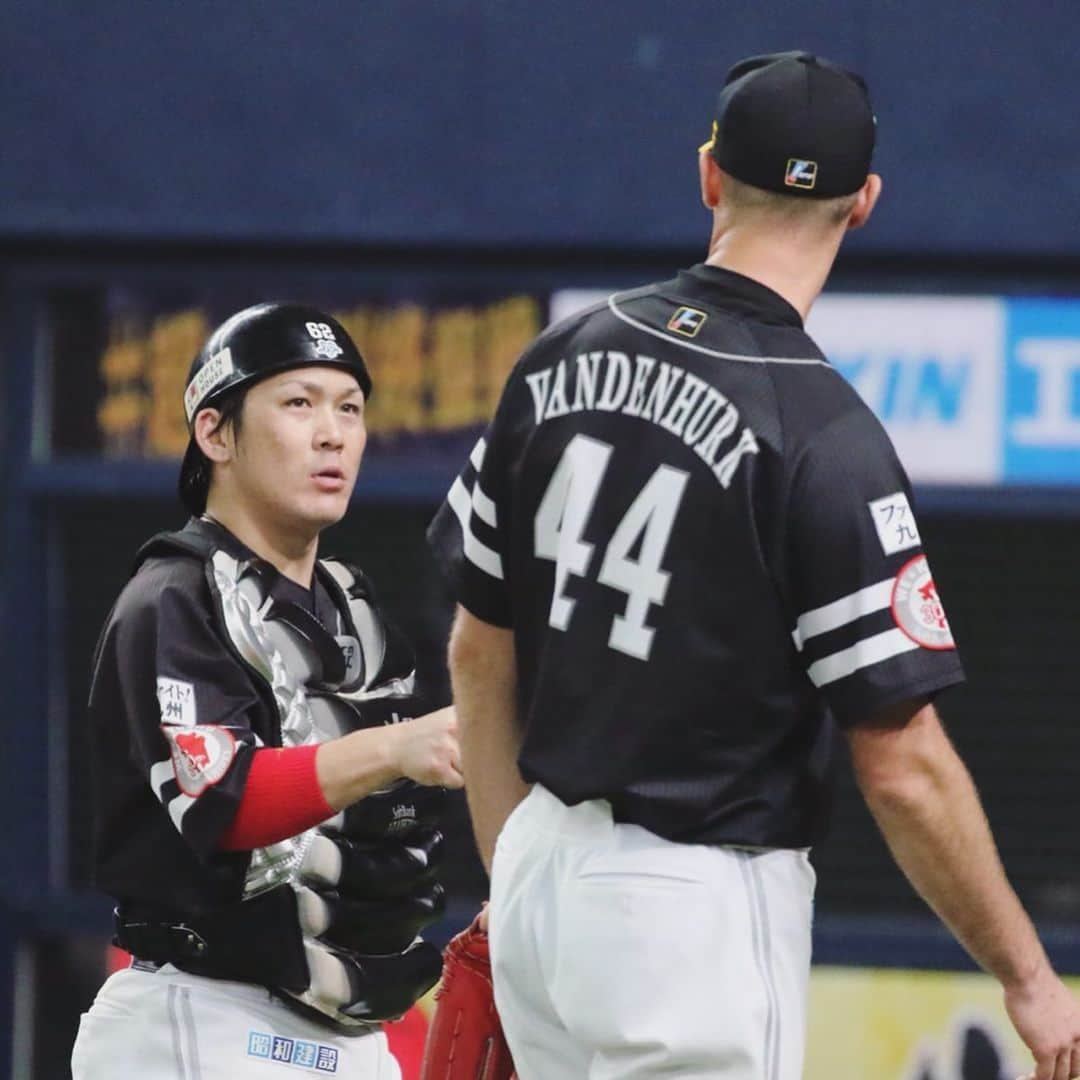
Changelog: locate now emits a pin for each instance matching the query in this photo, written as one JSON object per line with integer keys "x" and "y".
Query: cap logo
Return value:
{"x": 325, "y": 343}
{"x": 800, "y": 173}
{"x": 211, "y": 375}
{"x": 687, "y": 321}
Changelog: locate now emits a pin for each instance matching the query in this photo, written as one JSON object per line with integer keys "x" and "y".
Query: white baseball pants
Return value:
{"x": 168, "y": 1025}
{"x": 618, "y": 955}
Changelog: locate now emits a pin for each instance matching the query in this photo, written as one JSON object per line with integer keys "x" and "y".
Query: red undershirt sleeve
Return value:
{"x": 282, "y": 798}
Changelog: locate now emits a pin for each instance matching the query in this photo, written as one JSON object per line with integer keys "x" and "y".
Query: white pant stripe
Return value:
{"x": 773, "y": 1061}
{"x": 757, "y": 932}
{"x": 177, "y": 1037}
{"x": 187, "y": 1025}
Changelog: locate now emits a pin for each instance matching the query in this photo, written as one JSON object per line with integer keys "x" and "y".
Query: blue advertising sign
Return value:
{"x": 1042, "y": 381}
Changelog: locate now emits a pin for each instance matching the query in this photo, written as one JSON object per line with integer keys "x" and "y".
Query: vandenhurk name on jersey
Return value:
{"x": 661, "y": 393}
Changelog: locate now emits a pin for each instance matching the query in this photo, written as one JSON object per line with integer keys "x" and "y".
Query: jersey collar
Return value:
{"x": 315, "y": 600}
{"x": 222, "y": 538}
{"x": 727, "y": 289}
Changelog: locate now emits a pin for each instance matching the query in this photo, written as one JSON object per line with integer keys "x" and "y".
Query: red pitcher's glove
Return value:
{"x": 465, "y": 1040}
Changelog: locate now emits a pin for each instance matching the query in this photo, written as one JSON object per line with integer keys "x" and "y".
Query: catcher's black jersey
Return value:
{"x": 175, "y": 717}
{"x": 704, "y": 543}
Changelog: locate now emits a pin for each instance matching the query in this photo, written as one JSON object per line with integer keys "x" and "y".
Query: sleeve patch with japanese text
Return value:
{"x": 895, "y": 523}
{"x": 201, "y": 756}
{"x": 176, "y": 699}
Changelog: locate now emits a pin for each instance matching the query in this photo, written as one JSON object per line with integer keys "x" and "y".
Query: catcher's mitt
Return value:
{"x": 465, "y": 1040}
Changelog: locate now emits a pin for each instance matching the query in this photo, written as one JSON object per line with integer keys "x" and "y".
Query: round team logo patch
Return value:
{"x": 201, "y": 756}
{"x": 917, "y": 608}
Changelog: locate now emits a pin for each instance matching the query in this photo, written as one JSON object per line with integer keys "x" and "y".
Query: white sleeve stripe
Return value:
{"x": 484, "y": 507}
{"x": 178, "y": 807}
{"x": 477, "y": 553}
{"x": 843, "y": 611}
{"x": 160, "y": 773}
{"x": 478, "y": 453}
{"x": 871, "y": 650}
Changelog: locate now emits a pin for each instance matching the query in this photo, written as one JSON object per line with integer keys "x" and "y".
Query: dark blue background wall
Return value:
{"x": 505, "y": 123}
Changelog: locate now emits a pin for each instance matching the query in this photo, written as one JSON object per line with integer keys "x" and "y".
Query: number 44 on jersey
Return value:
{"x": 560, "y": 523}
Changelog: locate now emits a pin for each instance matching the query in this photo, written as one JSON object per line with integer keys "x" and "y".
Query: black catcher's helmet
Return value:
{"x": 251, "y": 345}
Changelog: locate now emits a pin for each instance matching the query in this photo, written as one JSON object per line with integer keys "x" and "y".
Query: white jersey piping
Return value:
{"x": 645, "y": 328}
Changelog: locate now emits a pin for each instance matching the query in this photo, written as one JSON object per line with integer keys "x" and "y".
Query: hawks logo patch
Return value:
{"x": 325, "y": 342}
{"x": 687, "y": 321}
{"x": 201, "y": 756}
{"x": 330, "y": 349}
{"x": 800, "y": 173}
{"x": 917, "y": 609}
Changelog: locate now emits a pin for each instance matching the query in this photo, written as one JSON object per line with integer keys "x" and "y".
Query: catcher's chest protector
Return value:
{"x": 361, "y": 885}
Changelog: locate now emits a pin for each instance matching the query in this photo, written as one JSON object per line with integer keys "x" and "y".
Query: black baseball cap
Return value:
{"x": 796, "y": 124}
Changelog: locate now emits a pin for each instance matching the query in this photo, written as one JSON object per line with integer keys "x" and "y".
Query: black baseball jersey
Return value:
{"x": 705, "y": 546}
{"x": 175, "y": 717}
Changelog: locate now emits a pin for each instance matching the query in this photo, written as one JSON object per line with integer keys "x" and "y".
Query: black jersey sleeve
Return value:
{"x": 187, "y": 704}
{"x": 866, "y": 616}
{"x": 469, "y": 534}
